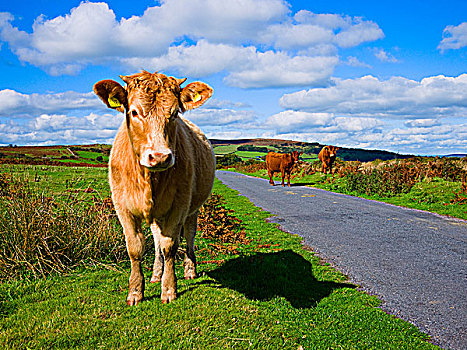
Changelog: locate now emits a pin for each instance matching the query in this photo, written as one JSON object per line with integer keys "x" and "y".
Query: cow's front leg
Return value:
{"x": 288, "y": 179}
{"x": 271, "y": 175}
{"x": 135, "y": 245}
{"x": 158, "y": 267}
{"x": 283, "y": 177}
{"x": 169, "y": 246}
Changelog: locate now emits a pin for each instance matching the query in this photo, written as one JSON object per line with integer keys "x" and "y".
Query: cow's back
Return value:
{"x": 273, "y": 161}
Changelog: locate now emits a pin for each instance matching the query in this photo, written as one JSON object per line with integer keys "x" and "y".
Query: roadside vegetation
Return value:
{"x": 428, "y": 183}
{"x": 64, "y": 275}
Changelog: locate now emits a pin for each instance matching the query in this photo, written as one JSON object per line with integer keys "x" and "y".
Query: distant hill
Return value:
{"x": 343, "y": 153}
{"x": 98, "y": 155}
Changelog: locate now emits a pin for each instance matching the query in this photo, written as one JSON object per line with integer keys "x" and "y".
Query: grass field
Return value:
{"x": 268, "y": 293}
{"x": 246, "y": 155}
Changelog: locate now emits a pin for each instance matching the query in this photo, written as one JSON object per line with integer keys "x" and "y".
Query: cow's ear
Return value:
{"x": 194, "y": 95}
{"x": 112, "y": 94}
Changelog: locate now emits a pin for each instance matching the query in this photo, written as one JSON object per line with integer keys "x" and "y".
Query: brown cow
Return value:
{"x": 161, "y": 171}
{"x": 281, "y": 162}
{"x": 327, "y": 156}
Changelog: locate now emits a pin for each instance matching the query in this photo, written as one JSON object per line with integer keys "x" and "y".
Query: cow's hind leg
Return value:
{"x": 135, "y": 245}
{"x": 158, "y": 268}
{"x": 189, "y": 232}
{"x": 283, "y": 177}
{"x": 169, "y": 246}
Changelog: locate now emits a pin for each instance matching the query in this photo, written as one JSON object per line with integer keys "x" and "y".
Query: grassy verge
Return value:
{"x": 268, "y": 293}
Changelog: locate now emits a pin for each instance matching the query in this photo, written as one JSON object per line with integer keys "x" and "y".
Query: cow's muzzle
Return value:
{"x": 156, "y": 161}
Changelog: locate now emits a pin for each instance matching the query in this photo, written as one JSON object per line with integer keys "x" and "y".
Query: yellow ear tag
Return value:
{"x": 114, "y": 103}
{"x": 197, "y": 97}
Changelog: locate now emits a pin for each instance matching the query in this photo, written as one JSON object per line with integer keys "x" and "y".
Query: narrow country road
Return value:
{"x": 414, "y": 261}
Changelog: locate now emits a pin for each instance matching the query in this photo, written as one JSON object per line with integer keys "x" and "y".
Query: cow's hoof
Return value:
{"x": 134, "y": 298}
{"x": 168, "y": 297}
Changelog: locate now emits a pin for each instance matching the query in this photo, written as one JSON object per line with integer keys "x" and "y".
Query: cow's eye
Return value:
{"x": 134, "y": 113}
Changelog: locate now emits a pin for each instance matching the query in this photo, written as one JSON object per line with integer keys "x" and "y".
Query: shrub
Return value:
{"x": 227, "y": 160}
{"x": 41, "y": 233}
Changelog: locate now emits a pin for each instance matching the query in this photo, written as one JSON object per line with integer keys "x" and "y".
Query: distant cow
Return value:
{"x": 327, "y": 156}
{"x": 161, "y": 171}
{"x": 281, "y": 162}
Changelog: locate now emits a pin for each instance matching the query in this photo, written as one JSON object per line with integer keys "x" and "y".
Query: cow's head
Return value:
{"x": 295, "y": 155}
{"x": 332, "y": 151}
{"x": 152, "y": 104}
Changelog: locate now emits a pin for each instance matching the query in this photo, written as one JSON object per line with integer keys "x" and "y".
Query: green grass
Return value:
{"x": 272, "y": 295}
{"x": 245, "y": 155}
{"x": 61, "y": 179}
{"x": 221, "y": 150}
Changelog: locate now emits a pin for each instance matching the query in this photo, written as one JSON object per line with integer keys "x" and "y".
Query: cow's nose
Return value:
{"x": 160, "y": 160}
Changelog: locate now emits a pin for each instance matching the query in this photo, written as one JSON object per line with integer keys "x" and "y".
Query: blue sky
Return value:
{"x": 386, "y": 75}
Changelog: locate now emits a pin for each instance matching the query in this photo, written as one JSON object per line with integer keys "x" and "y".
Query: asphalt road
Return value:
{"x": 414, "y": 261}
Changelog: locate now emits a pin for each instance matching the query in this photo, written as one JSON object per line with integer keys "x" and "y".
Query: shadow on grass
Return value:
{"x": 264, "y": 276}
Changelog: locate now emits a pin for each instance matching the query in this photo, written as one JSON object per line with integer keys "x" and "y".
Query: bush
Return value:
{"x": 393, "y": 178}
{"x": 41, "y": 233}
{"x": 227, "y": 160}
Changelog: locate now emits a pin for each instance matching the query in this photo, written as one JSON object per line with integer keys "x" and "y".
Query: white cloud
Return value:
{"x": 355, "y": 62}
{"x": 359, "y": 33}
{"x": 384, "y": 56}
{"x": 61, "y": 129}
{"x": 277, "y": 69}
{"x": 347, "y": 31}
{"x": 454, "y": 37}
{"x": 18, "y": 104}
{"x": 206, "y": 117}
{"x": 198, "y": 60}
{"x": 256, "y": 43}
{"x": 247, "y": 67}
{"x": 424, "y": 123}
{"x": 437, "y": 96}
{"x": 369, "y": 113}
{"x": 293, "y": 36}
{"x": 293, "y": 121}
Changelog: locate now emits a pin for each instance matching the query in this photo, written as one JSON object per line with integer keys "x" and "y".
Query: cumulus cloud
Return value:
{"x": 247, "y": 67}
{"x": 454, "y": 37}
{"x": 293, "y": 121}
{"x": 346, "y": 31}
{"x": 207, "y": 117}
{"x": 436, "y": 96}
{"x": 61, "y": 129}
{"x": 384, "y": 56}
{"x": 367, "y": 113}
{"x": 196, "y": 38}
{"x": 355, "y": 62}
{"x": 277, "y": 69}
{"x": 65, "y": 118}
{"x": 18, "y": 104}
